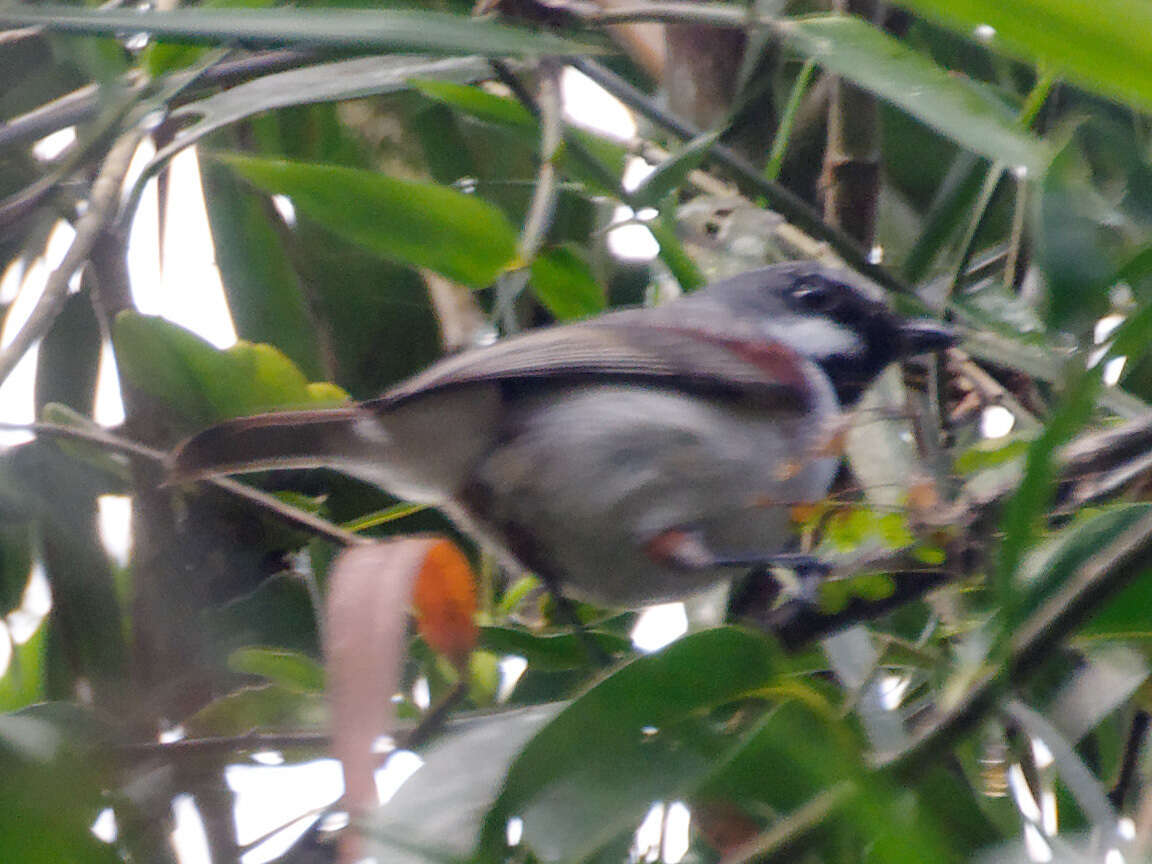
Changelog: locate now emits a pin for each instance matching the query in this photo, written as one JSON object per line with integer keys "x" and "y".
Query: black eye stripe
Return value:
{"x": 814, "y": 296}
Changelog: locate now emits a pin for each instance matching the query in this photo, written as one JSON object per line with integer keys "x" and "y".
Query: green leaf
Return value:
{"x": 15, "y": 562}
{"x": 991, "y": 453}
{"x": 563, "y": 282}
{"x": 673, "y": 171}
{"x": 636, "y": 724}
{"x": 1024, "y": 509}
{"x": 360, "y": 30}
{"x": 289, "y": 669}
{"x": 267, "y": 707}
{"x": 419, "y": 224}
{"x": 672, "y": 253}
{"x": 552, "y": 652}
{"x": 22, "y": 683}
{"x": 55, "y": 762}
{"x": 204, "y": 383}
{"x": 959, "y": 108}
{"x": 1055, "y": 561}
{"x": 1102, "y": 46}
{"x": 478, "y": 103}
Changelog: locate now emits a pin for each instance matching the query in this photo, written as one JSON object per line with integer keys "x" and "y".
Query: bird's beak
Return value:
{"x": 922, "y": 336}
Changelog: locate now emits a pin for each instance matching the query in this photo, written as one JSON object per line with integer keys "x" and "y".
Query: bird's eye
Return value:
{"x": 814, "y": 297}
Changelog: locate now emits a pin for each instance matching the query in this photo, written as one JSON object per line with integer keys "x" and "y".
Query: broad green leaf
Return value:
{"x": 808, "y": 752}
{"x": 673, "y": 171}
{"x": 566, "y": 783}
{"x": 204, "y": 383}
{"x": 1103, "y": 46}
{"x": 436, "y": 814}
{"x": 960, "y": 109}
{"x": 358, "y": 30}
{"x": 563, "y": 282}
{"x": 419, "y": 224}
{"x": 287, "y": 668}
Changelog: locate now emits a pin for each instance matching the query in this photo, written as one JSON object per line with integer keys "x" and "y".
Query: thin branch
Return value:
{"x": 229, "y": 745}
{"x": 271, "y": 504}
{"x": 68, "y": 110}
{"x": 83, "y": 104}
{"x": 1133, "y": 749}
{"x": 102, "y": 204}
{"x": 543, "y": 205}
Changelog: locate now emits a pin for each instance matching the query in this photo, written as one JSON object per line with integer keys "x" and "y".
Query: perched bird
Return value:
{"x": 628, "y": 459}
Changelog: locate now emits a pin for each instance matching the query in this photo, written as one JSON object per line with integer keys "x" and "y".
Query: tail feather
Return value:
{"x": 288, "y": 439}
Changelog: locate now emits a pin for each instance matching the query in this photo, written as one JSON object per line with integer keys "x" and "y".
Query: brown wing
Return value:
{"x": 616, "y": 349}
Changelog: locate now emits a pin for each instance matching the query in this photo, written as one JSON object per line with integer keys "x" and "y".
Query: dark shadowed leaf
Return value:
{"x": 550, "y": 652}
{"x": 562, "y": 783}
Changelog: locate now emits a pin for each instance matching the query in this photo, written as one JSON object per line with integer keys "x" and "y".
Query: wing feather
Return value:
{"x": 615, "y": 348}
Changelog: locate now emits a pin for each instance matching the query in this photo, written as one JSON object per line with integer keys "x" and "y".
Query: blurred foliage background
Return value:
{"x": 387, "y": 184}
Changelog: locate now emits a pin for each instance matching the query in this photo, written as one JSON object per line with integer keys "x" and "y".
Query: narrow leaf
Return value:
{"x": 673, "y": 171}
{"x": 959, "y": 108}
{"x": 355, "y": 29}
{"x": 287, "y": 668}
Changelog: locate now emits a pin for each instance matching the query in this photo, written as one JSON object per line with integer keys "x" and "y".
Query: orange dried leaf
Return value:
{"x": 444, "y": 600}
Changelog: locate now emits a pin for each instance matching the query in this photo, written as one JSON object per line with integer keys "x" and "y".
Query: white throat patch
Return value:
{"x": 820, "y": 338}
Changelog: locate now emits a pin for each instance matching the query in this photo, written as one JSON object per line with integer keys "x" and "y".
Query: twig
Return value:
{"x": 68, "y": 110}
{"x": 540, "y": 211}
{"x": 83, "y": 104}
{"x": 1133, "y": 747}
{"x": 270, "y": 503}
{"x": 102, "y": 204}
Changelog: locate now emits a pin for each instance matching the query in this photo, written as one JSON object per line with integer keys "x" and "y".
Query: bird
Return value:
{"x": 633, "y": 458}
